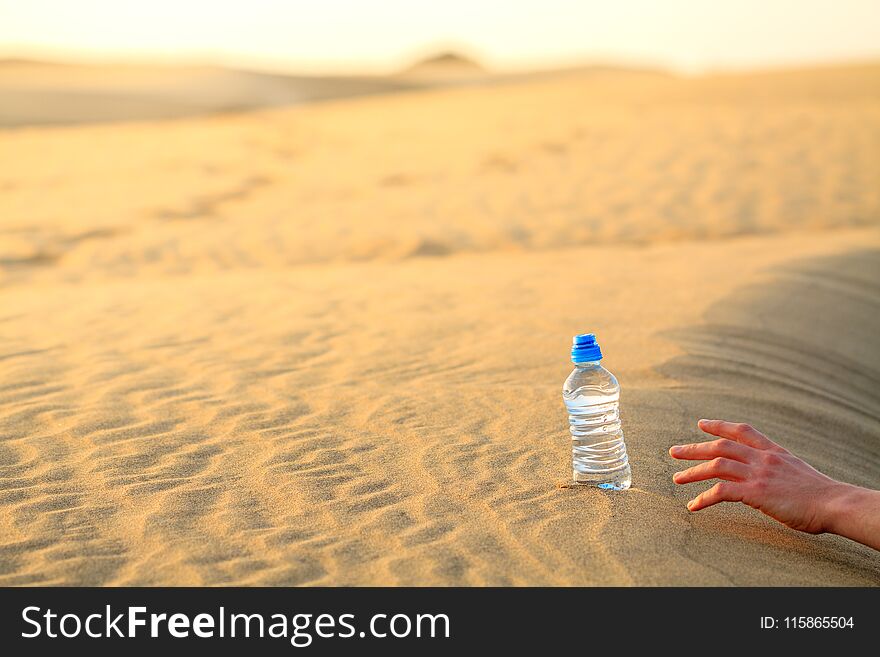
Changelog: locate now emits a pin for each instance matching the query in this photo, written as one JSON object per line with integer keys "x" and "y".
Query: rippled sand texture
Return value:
{"x": 325, "y": 345}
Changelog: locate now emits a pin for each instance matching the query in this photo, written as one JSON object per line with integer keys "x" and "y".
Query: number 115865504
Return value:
{"x": 807, "y": 622}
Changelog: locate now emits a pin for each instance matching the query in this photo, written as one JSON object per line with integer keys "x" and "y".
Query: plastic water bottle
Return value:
{"x": 592, "y": 395}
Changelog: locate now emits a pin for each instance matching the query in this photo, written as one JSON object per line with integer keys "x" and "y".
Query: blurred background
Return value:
{"x": 96, "y": 60}
{"x": 482, "y": 126}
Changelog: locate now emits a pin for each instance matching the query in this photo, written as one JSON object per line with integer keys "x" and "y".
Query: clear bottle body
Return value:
{"x": 592, "y": 396}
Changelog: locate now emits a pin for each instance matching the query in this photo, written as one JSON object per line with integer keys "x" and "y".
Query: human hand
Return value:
{"x": 757, "y": 472}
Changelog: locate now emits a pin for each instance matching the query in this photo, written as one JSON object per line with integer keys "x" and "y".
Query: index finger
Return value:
{"x": 741, "y": 433}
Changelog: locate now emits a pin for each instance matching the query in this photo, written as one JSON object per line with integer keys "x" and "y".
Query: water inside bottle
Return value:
{"x": 598, "y": 452}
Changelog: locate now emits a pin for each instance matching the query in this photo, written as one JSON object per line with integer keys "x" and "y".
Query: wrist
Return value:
{"x": 839, "y": 506}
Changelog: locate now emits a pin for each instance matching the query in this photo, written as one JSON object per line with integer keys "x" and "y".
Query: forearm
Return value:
{"x": 854, "y": 512}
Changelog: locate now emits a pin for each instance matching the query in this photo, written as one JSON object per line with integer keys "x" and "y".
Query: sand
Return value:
{"x": 325, "y": 345}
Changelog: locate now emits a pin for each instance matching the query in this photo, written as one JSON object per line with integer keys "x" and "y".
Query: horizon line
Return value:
{"x": 80, "y": 57}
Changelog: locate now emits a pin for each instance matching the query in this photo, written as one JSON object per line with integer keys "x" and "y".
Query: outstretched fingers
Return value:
{"x": 723, "y": 491}
{"x": 738, "y": 457}
{"x": 739, "y": 432}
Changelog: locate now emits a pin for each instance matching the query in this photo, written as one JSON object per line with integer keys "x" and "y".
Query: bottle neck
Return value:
{"x": 588, "y": 363}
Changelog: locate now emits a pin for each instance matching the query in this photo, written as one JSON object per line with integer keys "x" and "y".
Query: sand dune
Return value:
{"x": 325, "y": 345}
{"x": 51, "y": 93}
{"x": 45, "y": 93}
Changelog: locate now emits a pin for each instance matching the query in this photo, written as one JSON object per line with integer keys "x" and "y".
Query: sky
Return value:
{"x": 359, "y": 36}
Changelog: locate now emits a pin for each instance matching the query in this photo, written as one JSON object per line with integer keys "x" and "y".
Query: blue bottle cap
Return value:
{"x": 584, "y": 348}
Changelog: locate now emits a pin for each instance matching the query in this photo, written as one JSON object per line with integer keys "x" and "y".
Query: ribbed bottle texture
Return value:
{"x": 592, "y": 396}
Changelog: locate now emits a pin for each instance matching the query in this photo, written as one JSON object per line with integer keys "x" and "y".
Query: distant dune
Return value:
{"x": 445, "y": 66}
{"x": 58, "y": 93}
{"x": 35, "y": 93}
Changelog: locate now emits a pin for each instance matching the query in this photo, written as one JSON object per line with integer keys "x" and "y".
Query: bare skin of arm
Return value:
{"x": 758, "y": 472}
